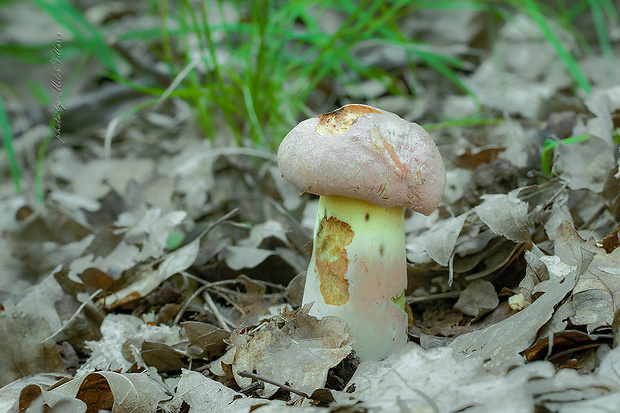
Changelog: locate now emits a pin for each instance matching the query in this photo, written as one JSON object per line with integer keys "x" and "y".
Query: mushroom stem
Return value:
{"x": 358, "y": 272}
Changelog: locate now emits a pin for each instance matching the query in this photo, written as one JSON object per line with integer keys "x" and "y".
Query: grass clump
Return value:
{"x": 249, "y": 70}
{"x": 277, "y": 55}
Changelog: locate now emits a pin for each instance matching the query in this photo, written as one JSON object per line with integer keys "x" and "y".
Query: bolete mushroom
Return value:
{"x": 366, "y": 164}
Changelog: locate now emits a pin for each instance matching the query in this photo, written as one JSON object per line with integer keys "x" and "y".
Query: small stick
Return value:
{"x": 257, "y": 385}
{"x": 266, "y": 380}
{"x": 220, "y": 318}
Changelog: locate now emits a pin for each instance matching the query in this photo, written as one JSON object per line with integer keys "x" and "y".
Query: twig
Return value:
{"x": 266, "y": 283}
{"x": 257, "y": 385}
{"x": 595, "y": 216}
{"x": 205, "y": 285}
{"x": 290, "y": 217}
{"x": 203, "y": 233}
{"x": 220, "y": 318}
{"x": 447, "y": 294}
{"x": 228, "y": 300}
{"x": 451, "y": 269}
{"x": 177, "y": 318}
{"x": 266, "y": 380}
{"x": 78, "y": 311}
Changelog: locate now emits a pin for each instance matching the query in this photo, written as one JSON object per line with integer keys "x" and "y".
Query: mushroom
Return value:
{"x": 366, "y": 164}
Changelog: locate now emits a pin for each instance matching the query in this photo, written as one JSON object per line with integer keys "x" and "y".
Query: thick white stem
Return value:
{"x": 358, "y": 272}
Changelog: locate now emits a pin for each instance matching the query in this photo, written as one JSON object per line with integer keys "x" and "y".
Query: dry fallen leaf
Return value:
{"x": 95, "y": 179}
{"x": 597, "y": 294}
{"x": 477, "y": 299}
{"x": 441, "y": 239}
{"x": 118, "y": 329}
{"x": 585, "y": 164}
{"x": 40, "y": 302}
{"x": 293, "y": 348}
{"x": 205, "y": 340}
{"x": 570, "y": 391}
{"x": 149, "y": 279}
{"x": 521, "y": 74}
{"x": 505, "y": 215}
{"x": 10, "y": 394}
{"x": 247, "y": 254}
{"x": 25, "y": 350}
{"x": 108, "y": 390}
{"x": 500, "y": 345}
{"x": 437, "y": 380}
{"x": 206, "y": 395}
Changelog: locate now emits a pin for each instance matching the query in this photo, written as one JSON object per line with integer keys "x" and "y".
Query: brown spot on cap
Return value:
{"x": 331, "y": 258}
{"x": 341, "y": 119}
{"x": 367, "y": 216}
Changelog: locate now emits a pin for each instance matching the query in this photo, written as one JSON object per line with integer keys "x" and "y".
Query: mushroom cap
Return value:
{"x": 365, "y": 153}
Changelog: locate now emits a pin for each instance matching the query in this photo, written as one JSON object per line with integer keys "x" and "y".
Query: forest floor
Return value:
{"x": 146, "y": 268}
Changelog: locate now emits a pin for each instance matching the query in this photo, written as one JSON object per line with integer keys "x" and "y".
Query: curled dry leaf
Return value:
{"x": 149, "y": 279}
{"x": 293, "y": 348}
{"x": 597, "y": 294}
{"x": 163, "y": 357}
{"x": 11, "y": 394}
{"x": 105, "y": 390}
{"x": 205, "y": 340}
{"x": 571, "y": 391}
{"x": 595, "y": 298}
{"x": 440, "y": 241}
{"x": 505, "y": 215}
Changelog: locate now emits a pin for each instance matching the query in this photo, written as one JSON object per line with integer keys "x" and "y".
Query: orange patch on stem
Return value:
{"x": 341, "y": 119}
{"x": 331, "y": 258}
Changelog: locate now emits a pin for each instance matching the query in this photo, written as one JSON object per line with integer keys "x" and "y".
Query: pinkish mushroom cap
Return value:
{"x": 361, "y": 152}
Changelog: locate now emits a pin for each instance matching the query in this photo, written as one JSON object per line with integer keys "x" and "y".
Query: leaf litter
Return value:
{"x": 513, "y": 282}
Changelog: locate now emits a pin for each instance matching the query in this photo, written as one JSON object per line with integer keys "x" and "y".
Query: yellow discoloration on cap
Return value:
{"x": 341, "y": 119}
{"x": 332, "y": 262}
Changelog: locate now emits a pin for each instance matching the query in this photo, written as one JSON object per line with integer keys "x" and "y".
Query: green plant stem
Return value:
{"x": 5, "y": 127}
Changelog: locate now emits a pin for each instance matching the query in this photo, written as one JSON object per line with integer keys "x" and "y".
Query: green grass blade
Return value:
{"x": 549, "y": 146}
{"x": 596, "y": 6}
{"x": 38, "y": 172}
{"x": 5, "y": 127}
{"x": 463, "y": 122}
{"x": 571, "y": 65}
{"x": 89, "y": 37}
